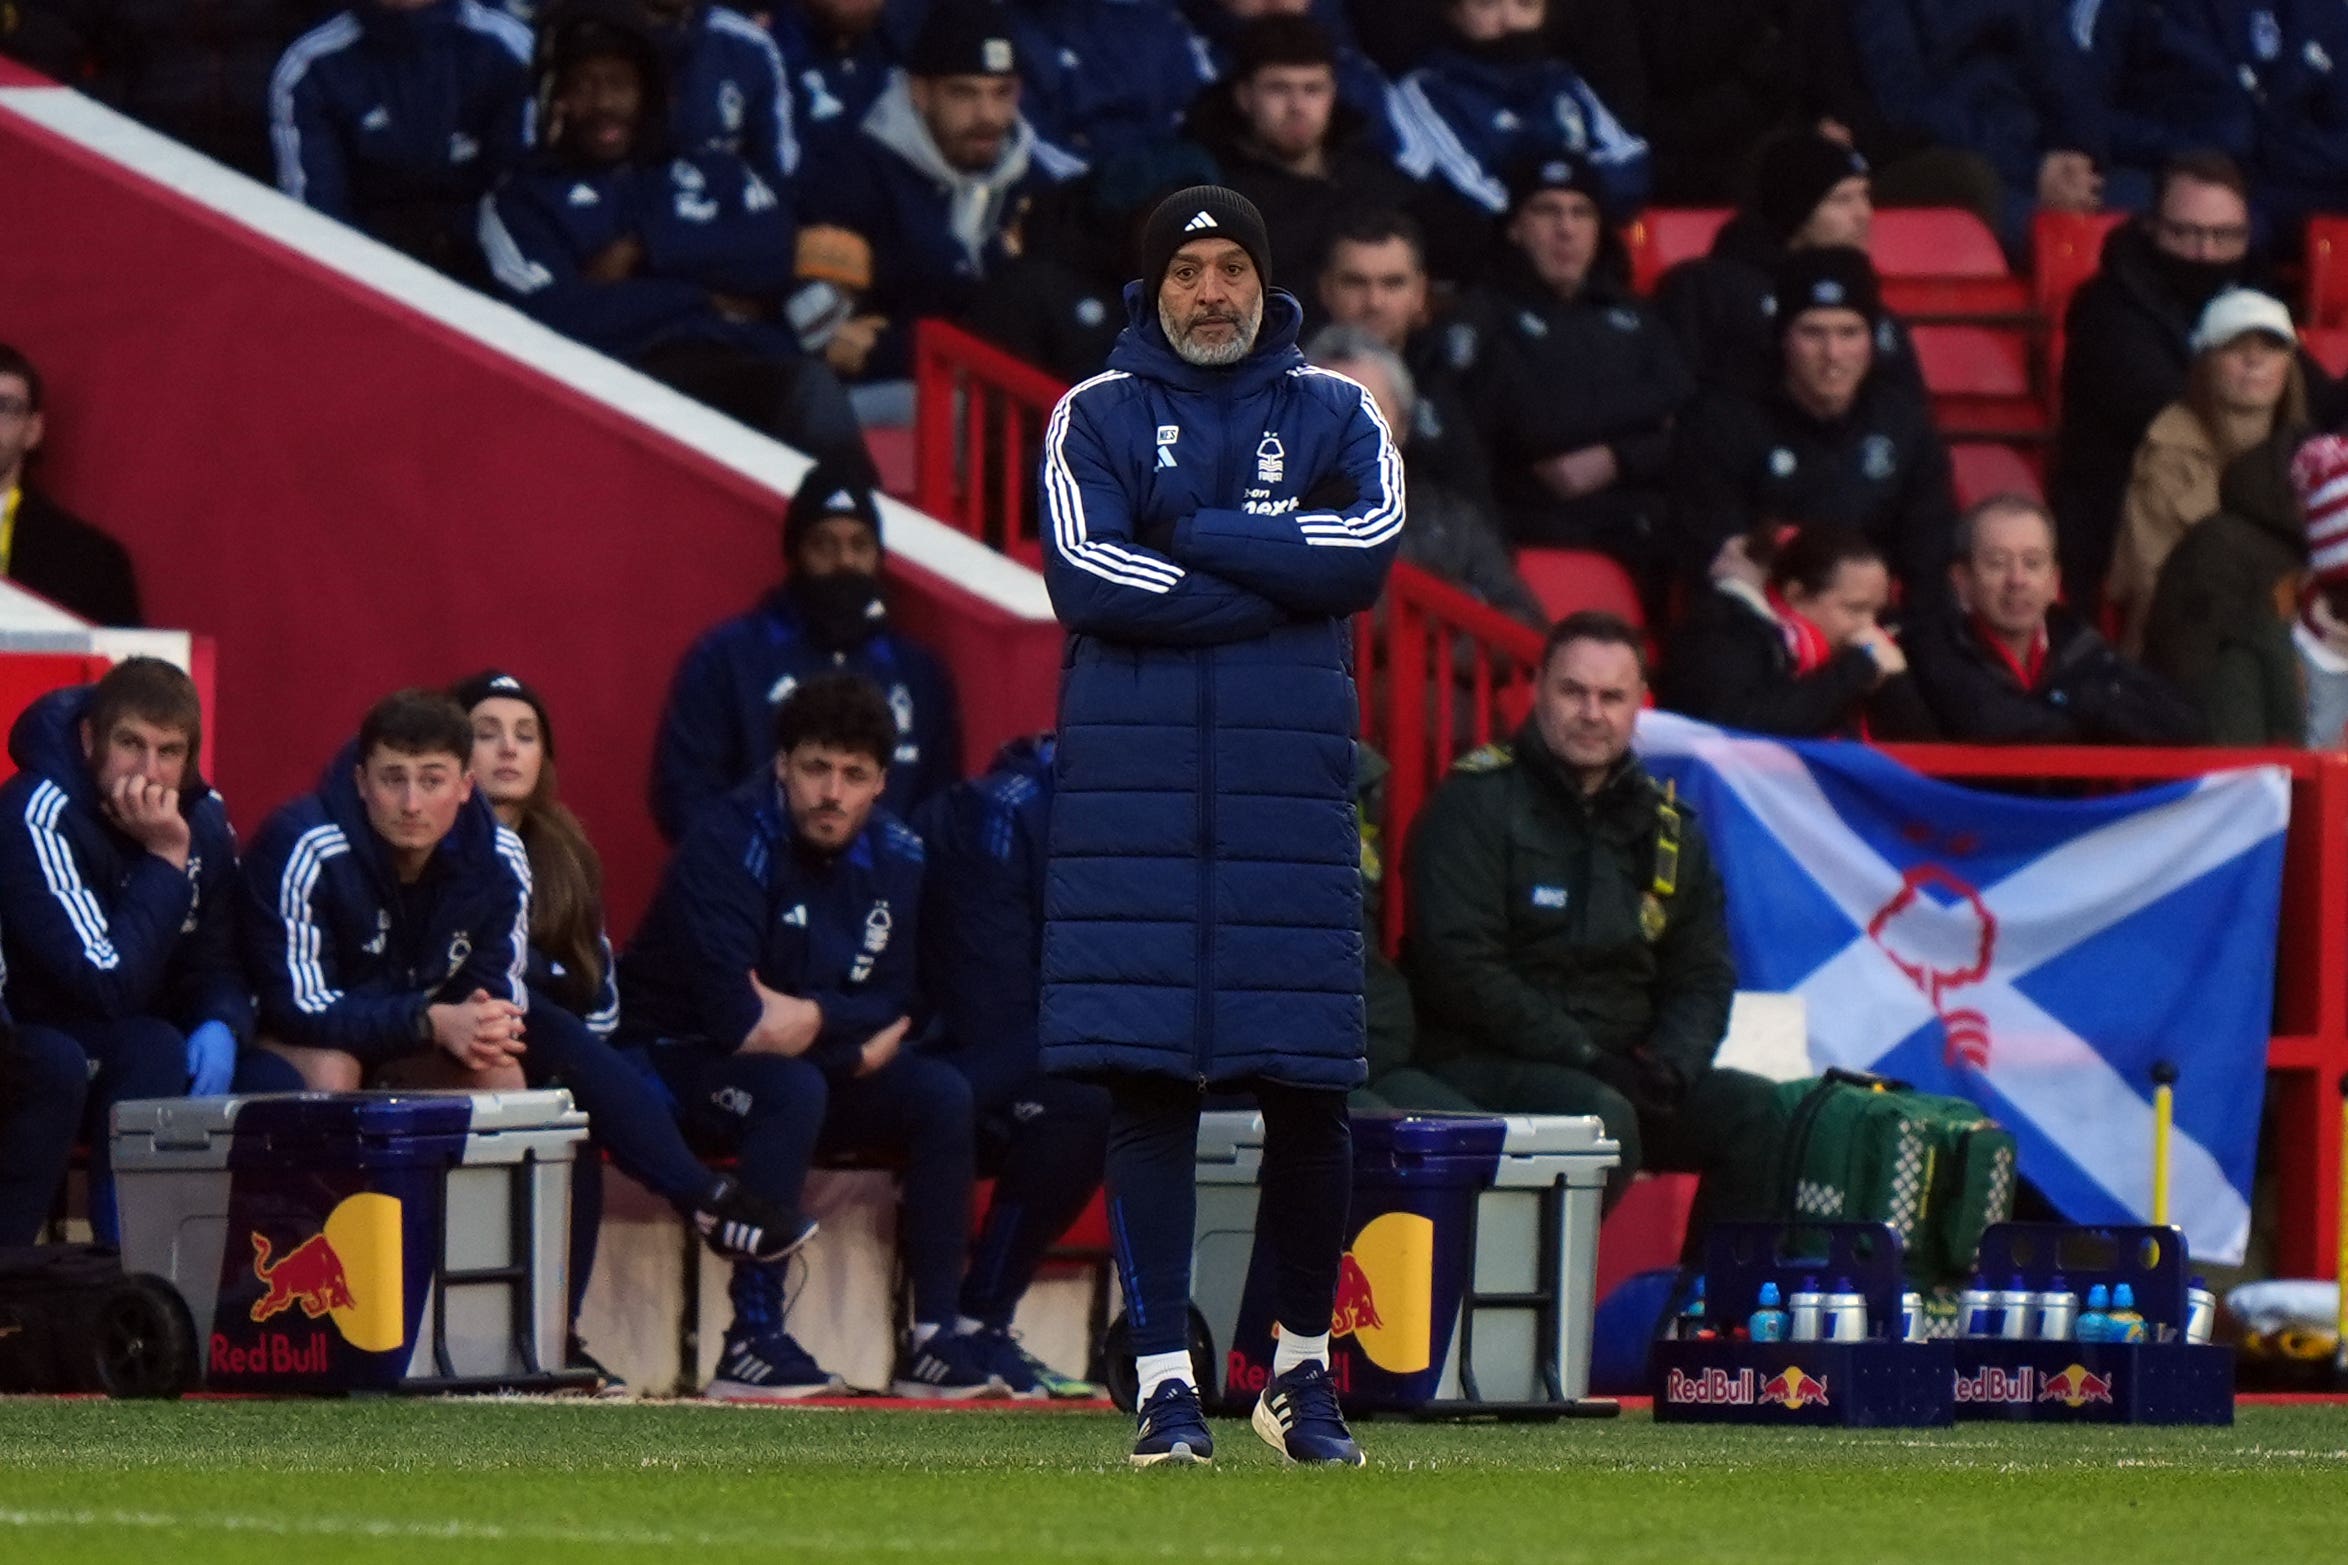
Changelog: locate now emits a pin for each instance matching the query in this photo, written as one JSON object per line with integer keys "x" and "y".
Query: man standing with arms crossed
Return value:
{"x": 1218, "y": 508}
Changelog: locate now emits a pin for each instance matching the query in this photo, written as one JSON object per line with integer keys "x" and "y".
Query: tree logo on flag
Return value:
{"x": 1941, "y": 936}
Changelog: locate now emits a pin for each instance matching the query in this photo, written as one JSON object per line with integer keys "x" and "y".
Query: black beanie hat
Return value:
{"x": 1203, "y": 212}
{"x": 470, "y": 693}
{"x": 831, "y": 488}
{"x": 1796, "y": 173}
{"x": 1831, "y": 277}
{"x": 963, "y": 38}
{"x": 1528, "y": 177}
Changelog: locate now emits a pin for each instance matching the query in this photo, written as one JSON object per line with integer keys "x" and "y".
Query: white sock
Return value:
{"x": 923, "y": 1330}
{"x": 1155, "y": 1369}
{"x": 1294, "y": 1348}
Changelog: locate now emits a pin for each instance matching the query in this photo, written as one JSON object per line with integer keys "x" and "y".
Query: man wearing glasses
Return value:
{"x": 43, "y": 547}
{"x": 2128, "y": 330}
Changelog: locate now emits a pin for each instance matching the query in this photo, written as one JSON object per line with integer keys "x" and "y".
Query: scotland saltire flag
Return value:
{"x": 2033, "y": 955}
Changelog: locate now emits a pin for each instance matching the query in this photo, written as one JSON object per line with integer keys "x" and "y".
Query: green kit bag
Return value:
{"x": 1861, "y": 1148}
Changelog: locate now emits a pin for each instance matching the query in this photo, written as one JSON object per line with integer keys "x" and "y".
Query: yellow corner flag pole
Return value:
{"x": 2164, "y": 1125}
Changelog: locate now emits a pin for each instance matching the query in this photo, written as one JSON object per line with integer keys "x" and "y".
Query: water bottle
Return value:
{"x": 1767, "y": 1323}
{"x": 1914, "y": 1327}
{"x": 2095, "y": 1321}
{"x": 1846, "y": 1313}
{"x": 2057, "y": 1312}
{"x": 1692, "y": 1315}
{"x": 2014, "y": 1303}
{"x": 1805, "y": 1313}
{"x": 2124, "y": 1324}
{"x": 2201, "y": 1312}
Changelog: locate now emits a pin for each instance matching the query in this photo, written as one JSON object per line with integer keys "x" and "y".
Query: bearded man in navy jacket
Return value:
{"x": 1218, "y": 509}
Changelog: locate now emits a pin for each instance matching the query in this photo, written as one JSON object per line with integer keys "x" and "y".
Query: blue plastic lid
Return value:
{"x": 2123, "y": 1297}
{"x": 2098, "y": 1297}
{"x": 1770, "y": 1297}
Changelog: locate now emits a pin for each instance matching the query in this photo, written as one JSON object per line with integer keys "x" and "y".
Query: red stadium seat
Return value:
{"x": 2327, "y": 271}
{"x": 1979, "y": 377}
{"x": 1567, "y": 580}
{"x": 1985, "y": 467}
{"x": 1662, "y": 237}
{"x": 2328, "y": 346}
{"x": 1943, "y": 263}
{"x": 2066, "y": 248}
{"x": 892, "y": 459}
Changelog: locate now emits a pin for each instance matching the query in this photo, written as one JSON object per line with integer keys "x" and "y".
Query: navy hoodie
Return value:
{"x": 96, "y": 927}
{"x": 345, "y": 957}
{"x": 744, "y": 892}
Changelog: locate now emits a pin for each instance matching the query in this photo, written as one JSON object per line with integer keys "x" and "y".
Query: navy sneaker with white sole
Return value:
{"x": 1173, "y": 1429}
{"x": 951, "y": 1364}
{"x": 1298, "y": 1417}
{"x": 769, "y": 1366}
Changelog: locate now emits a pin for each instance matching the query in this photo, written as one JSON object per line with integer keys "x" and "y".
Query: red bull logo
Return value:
{"x": 310, "y": 1274}
{"x": 1994, "y": 1383}
{"x": 1357, "y": 1300}
{"x": 1941, "y": 936}
{"x": 2076, "y": 1387}
{"x": 1794, "y": 1388}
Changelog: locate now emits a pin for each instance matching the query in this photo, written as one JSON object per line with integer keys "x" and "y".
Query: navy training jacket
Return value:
{"x": 982, "y": 927}
{"x": 742, "y": 892}
{"x": 709, "y": 223}
{"x": 93, "y": 927}
{"x": 718, "y": 726}
{"x": 2003, "y": 78}
{"x": 1467, "y": 121}
{"x": 343, "y": 956}
{"x": 727, "y": 92}
{"x": 1107, "y": 76}
{"x": 395, "y": 120}
{"x": 1203, "y": 904}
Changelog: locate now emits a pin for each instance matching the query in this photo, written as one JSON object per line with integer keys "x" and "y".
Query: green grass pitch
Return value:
{"x": 274, "y": 1483}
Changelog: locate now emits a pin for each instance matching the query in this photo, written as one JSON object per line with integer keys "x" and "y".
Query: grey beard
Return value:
{"x": 1219, "y": 355}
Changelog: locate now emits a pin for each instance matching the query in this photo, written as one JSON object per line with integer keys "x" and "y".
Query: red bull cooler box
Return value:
{"x": 368, "y": 1241}
{"x": 1467, "y": 1287}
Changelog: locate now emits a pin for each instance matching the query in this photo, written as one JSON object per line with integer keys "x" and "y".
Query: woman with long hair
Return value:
{"x": 2246, "y": 383}
{"x": 1790, "y": 641}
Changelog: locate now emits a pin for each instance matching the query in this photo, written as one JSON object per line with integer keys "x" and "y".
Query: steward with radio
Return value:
{"x": 1568, "y": 944}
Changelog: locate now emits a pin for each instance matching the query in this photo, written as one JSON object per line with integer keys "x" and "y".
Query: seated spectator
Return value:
{"x": 1486, "y": 100}
{"x": 197, "y": 73}
{"x": 1060, "y": 303}
{"x": 44, "y": 1081}
{"x": 1361, "y": 86}
{"x": 2000, "y": 78}
{"x": 1375, "y": 278}
{"x": 45, "y": 548}
{"x": 772, "y": 981}
{"x": 459, "y": 74}
{"x": 1041, "y": 1138}
{"x": 575, "y": 1002}
{"x": 1574, "y": 381}
{"x": 1830, "y": 441}
{"x": 1283, "y": 139}
{"x": 2128, "y": 345}
{"x": 934, "y": 179}
{"x": 2288, "y": 59}
{"x": 1103, "y": 76}
{"x": 2319, "y": 484}
{"x": 723, "y": 86}
{"x": 1791, "y": 642}
{"x": 2219, "y": 624}
{"x": 837, "y": 56}
{"x": 2164, "y": 80}
{"x": 677, "y": 264}
{"x": 1568, "y": 940}
{"x": 2013, "y": 665}
{"x": 1451, "y": 535}
{"x": 828, "y": 614}
{"x": 117, "y": 867}
{"x": 1810, "y": 191}
{"x": 2244, "y": 388}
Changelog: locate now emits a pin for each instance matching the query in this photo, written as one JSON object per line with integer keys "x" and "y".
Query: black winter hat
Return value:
{"x": 470, "y": 693}
{"x": 1831, "y": 277}
{"x": 1203, "y": 212}
{"x": 964, "y": 38}
{"x": 1528, "y": 177}
{"x": 1796, "y": 173}
{"x": 831, "y": 488}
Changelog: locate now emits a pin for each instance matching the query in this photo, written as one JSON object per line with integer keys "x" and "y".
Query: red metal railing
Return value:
{"x": 978, "y": 422}
{"x": 1441, "y": 673}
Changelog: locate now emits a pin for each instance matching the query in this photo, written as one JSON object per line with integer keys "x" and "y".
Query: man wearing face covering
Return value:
{"x": 828, "y": 615}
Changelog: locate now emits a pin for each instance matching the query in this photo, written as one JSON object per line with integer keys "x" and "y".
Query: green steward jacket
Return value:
{"x": 1541, "y": 925}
